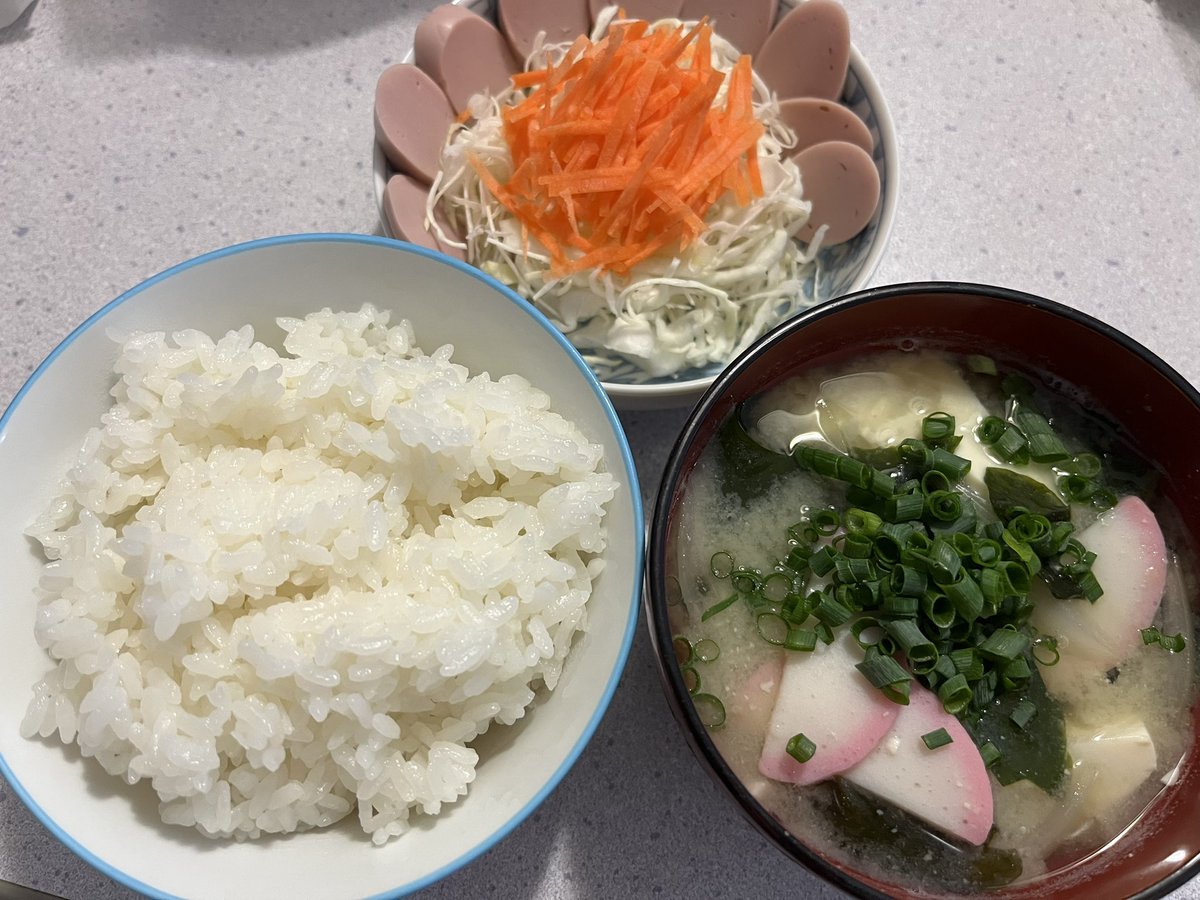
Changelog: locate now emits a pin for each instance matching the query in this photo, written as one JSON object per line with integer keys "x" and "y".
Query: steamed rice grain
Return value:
{"x": 283, "y": 587}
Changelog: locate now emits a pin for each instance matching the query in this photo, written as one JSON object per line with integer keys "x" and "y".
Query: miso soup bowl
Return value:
{"x": 1150, "y": 402}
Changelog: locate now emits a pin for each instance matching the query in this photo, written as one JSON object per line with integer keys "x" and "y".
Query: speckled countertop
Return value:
{"x": 1046, "y": 145}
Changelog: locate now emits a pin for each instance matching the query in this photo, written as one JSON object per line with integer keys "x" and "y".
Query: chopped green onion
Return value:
{"x": 772, "y": 628}
{"x": 691, "y": 679}
{"x": 984, "y": 690}
{"x": 861, "y": 521}
{"x": 844, "y": 468}
{"x": 683, "y": 649}
{"x": 1089, "y": 587}
{"x": 831, "y": 612}
{"x": 1086, "y": 464}
{"x": 944, "y": 667}
{"x": 952, "y": 466}
{"x": 801, "y": 639}
{"x": 800, "y": 748}
{"x": 1017, "y": 576}
{"x": 904, "y": 507}
{"x": 802, "y": 533}
{"x": 935, "y": 480}
{"x": 822, "y": 562}
{"x": 674, "y": 591}
{"x": 706, "y": 649}
{"x": 937, "y": 429}
{"x": 718, "y": 607}
{"x": 901, "y": 606}
{"x": 854, "y": 571}
{"x": 966, "y": 597}
{"x": 721, "y": 565}
{"x": 916, "y": 453}
{"x": 747, "y": 581}
{"x": 1002, "y": 439}
{"x": 992, "y": 584}
{"x": 1044, "y": 444}
{"x": 885, "y": 673}
{"x": 990, "y": 753}
{"x": 710, "y": 710}
{"x": 797, "y": 558}
{"x": 955, "y": 694}
{"x": 864, "y": 624}
{"x": 1015, "y": 672}
{"x": 911, "y": 641}
{"x": 1045, "y": 650}
{"x": 935, "y": 739}
{"x": 776, "y": 587}
{"x": 908, "y": 581}
{"x": 1172, "y": 643}
{"x": 944, "y": 506}
{"x": 857, "y": 546}
{"x": 938, "y": 609}
{"x": 825, "y": 520}
{"x": 968, "y": 663}
{"x": 1078, "y": 488}
{"x": 1004, "y": 644}
{"x": 1022, "y": 713}
{"x": 990, "y": 430}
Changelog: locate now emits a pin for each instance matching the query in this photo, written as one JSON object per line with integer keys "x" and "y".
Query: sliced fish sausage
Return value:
{"x": 842, "y": 183}
{"x": 463, "y": 53}
{"x": 808, "y": 52}
{"x": 521, "y": 20}
{"x": 815, "y": 121}
{"x": 744, "y": 23}
{"x": 650, "y": 10}
{"x": 412, "y": 119}
{"x": 404, "y": 209}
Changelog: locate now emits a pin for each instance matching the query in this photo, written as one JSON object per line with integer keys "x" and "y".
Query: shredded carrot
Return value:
{"x": 619, "y": 149}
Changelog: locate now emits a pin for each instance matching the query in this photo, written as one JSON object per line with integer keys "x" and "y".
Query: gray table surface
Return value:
{"x": 1046, "y": 145}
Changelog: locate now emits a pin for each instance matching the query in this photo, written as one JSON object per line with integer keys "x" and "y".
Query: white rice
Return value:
{"x": 284, "y": 587}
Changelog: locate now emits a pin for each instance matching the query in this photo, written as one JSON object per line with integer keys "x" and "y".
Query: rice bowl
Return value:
{"x": 291, "y": 277}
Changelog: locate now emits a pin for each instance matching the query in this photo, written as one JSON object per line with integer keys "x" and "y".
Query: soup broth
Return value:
{"x": 1124, "y": 727}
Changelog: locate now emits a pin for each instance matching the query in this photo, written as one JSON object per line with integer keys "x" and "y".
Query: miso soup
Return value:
{"x": 936, "y": 617}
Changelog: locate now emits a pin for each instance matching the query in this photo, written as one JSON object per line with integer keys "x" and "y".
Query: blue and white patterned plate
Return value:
{"x": 842, "y": 269}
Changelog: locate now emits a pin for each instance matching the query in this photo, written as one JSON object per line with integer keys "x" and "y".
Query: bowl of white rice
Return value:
{"x": 322, "y": 556}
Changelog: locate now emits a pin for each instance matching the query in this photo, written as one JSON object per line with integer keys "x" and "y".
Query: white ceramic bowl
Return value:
{"x": 116, "y": 828}
{"x": 844, "y": 268}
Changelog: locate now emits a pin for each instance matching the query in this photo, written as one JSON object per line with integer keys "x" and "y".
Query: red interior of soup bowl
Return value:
{"x": 1148, "y": 401}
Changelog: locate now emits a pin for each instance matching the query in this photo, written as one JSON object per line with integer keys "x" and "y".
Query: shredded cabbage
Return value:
{"x": 671, "y": 313}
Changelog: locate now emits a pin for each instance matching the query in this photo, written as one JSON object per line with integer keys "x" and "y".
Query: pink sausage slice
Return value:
{"x": 744, "y": 23}
{"x": 412, "y": 118}
{"x": 404, "y": 208}
{"x": 808, "y": 53}
{"x": 816, "y": 121}
{"x": 463, "y": 53}
{"x": 842, "y": 183}
{"x": 650, "y": 10}
{"x": 521, "y": 20}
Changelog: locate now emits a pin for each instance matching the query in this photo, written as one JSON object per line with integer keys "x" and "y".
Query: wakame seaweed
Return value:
{"x": 878, "y": 830}
{"x": 748, "y": 469}
{"x": 1036, "y": 750}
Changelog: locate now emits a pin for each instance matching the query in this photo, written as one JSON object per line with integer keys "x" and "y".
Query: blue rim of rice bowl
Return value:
{"x": 630, "y": 474}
